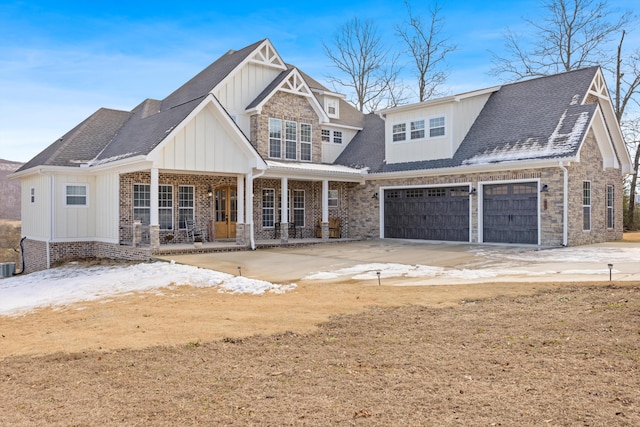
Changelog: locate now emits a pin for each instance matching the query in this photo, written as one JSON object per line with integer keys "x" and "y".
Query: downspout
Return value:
{"x": 249, "y": 195}
{"x": 565, "y": 206}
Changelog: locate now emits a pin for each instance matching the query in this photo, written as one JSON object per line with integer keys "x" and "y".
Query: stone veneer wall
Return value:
{"x": 366, "y": 223}
{"x": 590, "y": 169}
{"x": 203, "y": 204}
{"x": 286, "y": 106}
{"x": 313, "y": 205}
{"x": 35, "y": 253}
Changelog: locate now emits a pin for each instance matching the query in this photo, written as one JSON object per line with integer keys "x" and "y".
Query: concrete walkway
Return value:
{"x": 426, "y": 263}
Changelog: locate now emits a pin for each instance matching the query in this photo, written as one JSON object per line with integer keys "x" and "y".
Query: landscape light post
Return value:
{"x": 610, "y": 267}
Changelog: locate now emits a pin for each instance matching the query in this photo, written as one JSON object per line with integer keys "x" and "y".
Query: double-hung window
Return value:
{"x": 436, "y": 127}
{"x": 332, "y": 201}
{"x": 417, "y": 129}
{"x": 290, "y": 140}
{"x": 305, "y": 142}
{"x": 268, "y": 207}
{"x": 142, "y": 203}
{"x": 586, "y": 205}
{"x": 165, "y": 207}
{"x": 275, "y": 138}
{"x": 332, "y": 136}
{"x": 399, "y": 132}
{"x": 186, "y": 205}
{"x": 298, "y": 208}
{"x": 610, "y": 220}
{"x": 76, "y": 195}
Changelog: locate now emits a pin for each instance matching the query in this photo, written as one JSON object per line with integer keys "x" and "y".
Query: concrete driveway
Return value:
{"x": 425, "y": 263}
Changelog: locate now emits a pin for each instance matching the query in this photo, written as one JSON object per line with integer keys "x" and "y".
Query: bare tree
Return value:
{"x": 573, "y": 34}
{"x": 357, "y": 51}
{"x": 631, "y": 130}
{"x": 427, "y": 48}
{"x": 627, "y": 84}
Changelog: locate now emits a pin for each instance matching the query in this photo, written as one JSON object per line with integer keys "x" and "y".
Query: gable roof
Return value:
{"x": 537, "y": 119}
{"x": 366, "y": 149}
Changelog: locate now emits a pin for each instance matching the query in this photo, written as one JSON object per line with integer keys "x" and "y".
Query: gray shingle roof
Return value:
{"x": 366, "y": 149}
{"x": 536, "y": 119}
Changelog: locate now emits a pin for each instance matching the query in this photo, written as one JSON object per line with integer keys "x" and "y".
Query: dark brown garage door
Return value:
{"x": 427, "y": 213}
{"x": 510, "y": 213}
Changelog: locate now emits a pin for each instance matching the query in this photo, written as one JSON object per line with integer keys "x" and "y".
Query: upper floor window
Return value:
{"x": 275, "y": 138}
{"x": 331, "y": 106}
{"x": 291, "y": 140}
{"x": 305, "y": 142}
{"x": 332, "y": 136}
{"x": 76, "y": 194}
{"x": 417, "y": 129}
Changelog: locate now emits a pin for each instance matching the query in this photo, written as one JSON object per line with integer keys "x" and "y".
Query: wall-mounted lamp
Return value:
{"x": 473, "y": 192}
{"x": 209, "y": 192}
{"x": 375, "y": 196}
{"x": 544, "y": 189}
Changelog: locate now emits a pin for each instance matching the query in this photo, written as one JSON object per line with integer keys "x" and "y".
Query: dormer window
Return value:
{"x": 332, "y": 108}
{"x": 417, "y": 129}
{"x": 436, "y": 127}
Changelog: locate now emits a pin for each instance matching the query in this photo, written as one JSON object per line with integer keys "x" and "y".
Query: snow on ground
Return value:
{"x": 73, "y": 283}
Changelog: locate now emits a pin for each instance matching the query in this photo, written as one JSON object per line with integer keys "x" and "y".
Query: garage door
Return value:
{"x": 510, "y": 213}
{"x": 427, "y": 213}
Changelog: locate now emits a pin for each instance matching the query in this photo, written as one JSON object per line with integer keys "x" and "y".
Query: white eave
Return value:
{"x": 312, "y": 171}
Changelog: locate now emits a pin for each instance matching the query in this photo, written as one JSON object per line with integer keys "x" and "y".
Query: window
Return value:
{"x": 76, "y": 195}
{"x": 332, "y": 136}
{"x": 142, "y": 203}
{"x": 165, "y": 207}
{"x": 298, "y": 208}
{"x": 436, "y": 192}
{"x": 186, "y": 204}
{"x": 333, "y": 198}
{"x": 305, "y": 142}
{"x": 331, "y": 105}
{"x": 399, "y": 132}
{"x": 290, "y": 140}
{"x": 268, "y": 207}
{"x": 586, "y": 205}
{"x": 275, "y": 138}
{"x": 413, "y": 194}
{"x": 32, "y": 196}
{"x": 417, "y": 129}
{"x": 436, "y": 127}
{"x": 610, "y": 220}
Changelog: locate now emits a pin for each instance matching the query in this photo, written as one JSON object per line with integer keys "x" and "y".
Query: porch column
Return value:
{"x": 154, "y": 222}
{"x": 249, "y": 206}
{"x": 241, "y": 237}
{"x": 325, "y": 210}
{"x": 284, "y": 210}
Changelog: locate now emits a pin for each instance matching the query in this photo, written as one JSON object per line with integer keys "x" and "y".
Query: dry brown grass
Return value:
{"x": 563, "y": 356}
{"x": 9, "y": 241}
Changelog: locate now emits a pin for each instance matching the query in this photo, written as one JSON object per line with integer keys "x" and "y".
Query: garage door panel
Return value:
{"x": 510, "y": 213}
{"x": 427, "y": 213}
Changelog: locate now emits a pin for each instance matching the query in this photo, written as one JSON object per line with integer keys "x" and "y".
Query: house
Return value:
{"x": 254, "y": 150}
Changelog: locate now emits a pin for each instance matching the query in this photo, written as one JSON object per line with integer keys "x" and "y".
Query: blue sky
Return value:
{"x": 62, "y": 60}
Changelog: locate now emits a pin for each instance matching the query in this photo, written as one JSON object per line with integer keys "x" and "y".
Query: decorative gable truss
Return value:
{"x": 291, "y": 82}
{"x": 266, "y": 55}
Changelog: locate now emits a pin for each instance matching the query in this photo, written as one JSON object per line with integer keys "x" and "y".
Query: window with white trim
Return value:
{"x": 326, "y": 135}
{"x": 165, "y": 207}
{"x": 332, "y": 136}
{"x": 290, "y": 140}
{"x": 436, "y": 127}
{"x": 417, "y": 129}
{"x": 268, "y": 207}
{"x": 337, "y": 137}
{"x": 586, "y": 205}
{"x": 333, "y": 199}
{"x": 399, "y": 132}
{"x": 305, "y": 142}
{"x": 610, "y": 218}
{"x": 275, "y": 138}
{"x": 142, "y": 203}
{"x": 332, "y": 107}
{"x": 186, "y": 205}
{"x": 76, "y": 195}
{"x": 298, "y": 208}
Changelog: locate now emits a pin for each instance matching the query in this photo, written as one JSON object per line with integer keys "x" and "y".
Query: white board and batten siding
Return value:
{"x": 331, "y": 151}
{"x": 459, "y": 116}
{"x": 106, "y": 197}
{"x": 74, "y": 222}
{"x": 34, "y": 218}
{"x": 204, "y": 144}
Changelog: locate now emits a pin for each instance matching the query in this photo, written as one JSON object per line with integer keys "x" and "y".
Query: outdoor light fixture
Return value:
{"x": 375, "y": 196}
{"x": 473, "y": 191}
{"x": 378, "y": 273}
{"x": 209, "y": 192}
{"x": 544, "y": 188}
{"x": 610, "y": 267}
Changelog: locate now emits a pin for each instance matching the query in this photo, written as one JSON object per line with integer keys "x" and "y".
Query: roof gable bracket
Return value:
{"x": 267, "y": 55}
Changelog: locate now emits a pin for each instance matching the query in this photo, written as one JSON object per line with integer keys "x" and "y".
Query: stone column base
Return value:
{"x": 325, "y": 231}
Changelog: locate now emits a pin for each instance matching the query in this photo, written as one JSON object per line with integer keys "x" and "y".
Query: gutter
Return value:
{"x": 565, "y": 205}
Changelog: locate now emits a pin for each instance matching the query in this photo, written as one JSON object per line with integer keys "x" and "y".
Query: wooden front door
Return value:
{"x": 226, "y": 212}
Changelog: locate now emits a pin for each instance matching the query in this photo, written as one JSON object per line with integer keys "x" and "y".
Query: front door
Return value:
{"x": 226, "y": 212}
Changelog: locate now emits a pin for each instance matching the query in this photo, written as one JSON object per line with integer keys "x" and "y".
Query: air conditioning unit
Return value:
{"x": 7, "y": 269}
